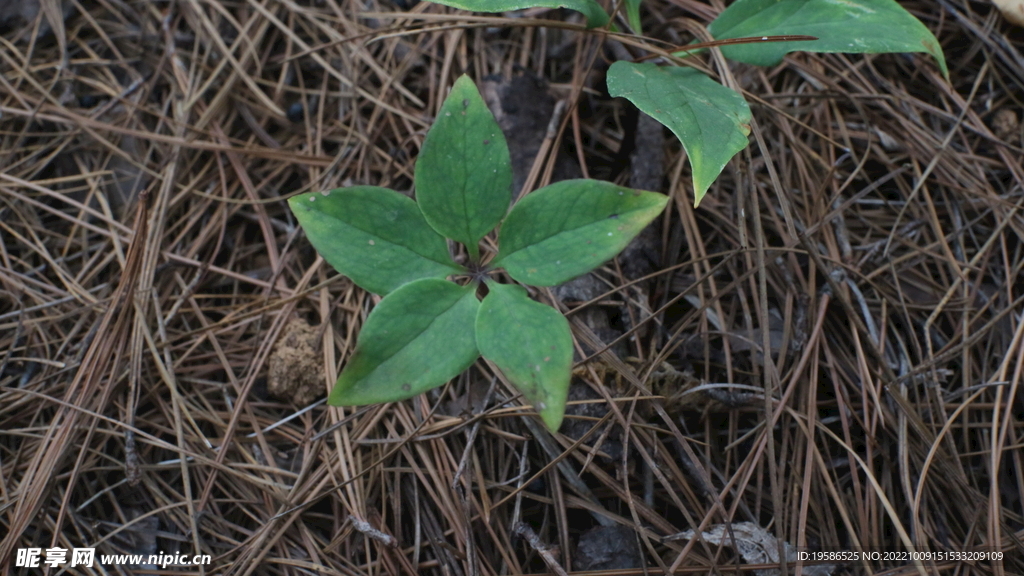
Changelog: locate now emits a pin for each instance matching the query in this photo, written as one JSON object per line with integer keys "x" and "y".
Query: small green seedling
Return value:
{"x": 428, "y": 329}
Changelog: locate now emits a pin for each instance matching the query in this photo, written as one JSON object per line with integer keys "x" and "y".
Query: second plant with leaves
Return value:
{"x": 711, "y": 120}
{"x": 428, "y": 329}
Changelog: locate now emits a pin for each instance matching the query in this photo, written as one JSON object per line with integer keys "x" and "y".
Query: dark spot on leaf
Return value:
{"x": 552, "y": 347}
{"x": 465, "y": 102}
{"x": 614, "y": 217}
{"x": 406, "y": 387}
{"x": 486, "y": 142}
{"x": 636, "y": 192}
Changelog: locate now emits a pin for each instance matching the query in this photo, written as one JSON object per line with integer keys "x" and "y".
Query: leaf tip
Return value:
{"x": 552, "y": 418}
{"x": 338, "y": 395}
{"x": 462, "y": 81}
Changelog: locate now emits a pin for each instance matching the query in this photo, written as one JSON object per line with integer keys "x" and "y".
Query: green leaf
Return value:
{"x": 571, "y": 227}
{"x": 859, "y": 26}
{"x": 633, "y": 16}
{"x": 417, "y": 338}
{"x": 375, "y": 236}
{"x": 595, "y": 15}
{"x": 532, "y": 345}
{"x": 711, "y": 120}
{"x": 464, "y": 174}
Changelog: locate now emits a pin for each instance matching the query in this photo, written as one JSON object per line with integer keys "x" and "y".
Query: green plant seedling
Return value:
{"x": 431, "y": 325}
{"x": 711, "y": 120}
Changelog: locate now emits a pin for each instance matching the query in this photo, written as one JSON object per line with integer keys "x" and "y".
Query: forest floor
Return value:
{"x": 168, "y": 335}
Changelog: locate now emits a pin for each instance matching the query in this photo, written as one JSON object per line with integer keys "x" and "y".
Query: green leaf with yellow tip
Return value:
{"x": 531, "y": 344}
{"x": 569, "y": 228}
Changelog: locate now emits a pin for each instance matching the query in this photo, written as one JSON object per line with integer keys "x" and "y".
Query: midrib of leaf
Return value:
{"x": 565, "y": 231}
{"x": 417, "y": 334}
{"x": 463, "y": 197}
{"x": 375, "y": 235}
